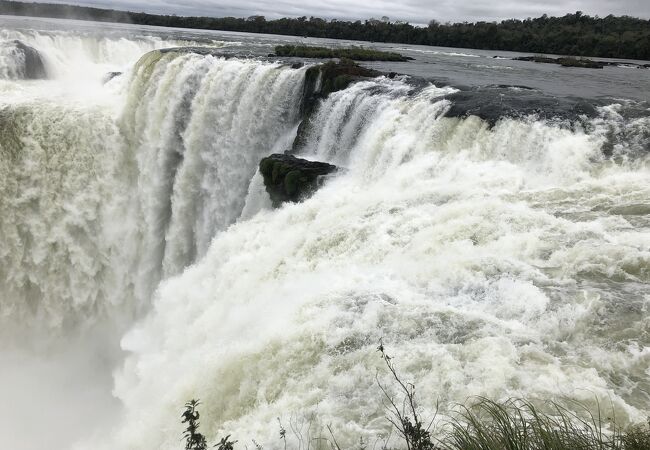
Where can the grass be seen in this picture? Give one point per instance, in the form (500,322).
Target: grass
(520,425)
(485,424)
(354,53)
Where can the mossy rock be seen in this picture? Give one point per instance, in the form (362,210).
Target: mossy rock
(355,53)
(565,62)
(291,179)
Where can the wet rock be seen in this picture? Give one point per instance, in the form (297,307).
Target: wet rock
(333,76)
(110,75)
(34,68)
(336,76)
(291,179)
(322,80)
(493,103)
(565,62)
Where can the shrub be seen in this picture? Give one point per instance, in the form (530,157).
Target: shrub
(354,53)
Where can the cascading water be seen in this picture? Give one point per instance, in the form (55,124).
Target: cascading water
(488,259)
(505,260)
(197,128)
(81,56)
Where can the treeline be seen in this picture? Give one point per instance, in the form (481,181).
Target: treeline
(573,34)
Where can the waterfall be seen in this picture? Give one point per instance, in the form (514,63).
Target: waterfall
(479,254)
(197,128)
(100,208)
(79,56)
(505,259)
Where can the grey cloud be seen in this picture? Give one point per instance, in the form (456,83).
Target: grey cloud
(414,11)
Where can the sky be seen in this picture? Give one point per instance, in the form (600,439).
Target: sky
(414,11)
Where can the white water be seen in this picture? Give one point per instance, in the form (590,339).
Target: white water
(510,261)
(81,56)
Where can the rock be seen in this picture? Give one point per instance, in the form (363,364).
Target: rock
(336,76)
(564,62)
(34,68)
(291,179)
(110,75)
(537,59)
(324,79)
(493,103)
(584,63)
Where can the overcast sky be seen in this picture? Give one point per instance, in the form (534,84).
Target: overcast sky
(414,11)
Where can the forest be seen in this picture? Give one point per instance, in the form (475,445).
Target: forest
(574,34)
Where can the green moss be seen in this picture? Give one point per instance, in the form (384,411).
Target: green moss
(355,53)
(276,174)
(580,62)
(291,181)
(288,178)
(565,62)
(266,166)
(341,82)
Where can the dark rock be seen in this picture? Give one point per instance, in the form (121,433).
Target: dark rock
(291,179)
(537,59)
(334,76)
(354,53)
(493,103)
(564,62)
(34,68)
(584,63)
(110,75)
(203,51)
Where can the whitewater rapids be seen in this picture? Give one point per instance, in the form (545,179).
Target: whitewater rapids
(502,261)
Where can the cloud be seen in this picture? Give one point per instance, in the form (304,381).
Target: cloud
(414,11)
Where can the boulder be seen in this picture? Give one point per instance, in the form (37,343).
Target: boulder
(291,179)
(565,61)
(34,68)
(336,76)
(110,75)
(493,103)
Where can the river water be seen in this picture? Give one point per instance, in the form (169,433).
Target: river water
(491,225)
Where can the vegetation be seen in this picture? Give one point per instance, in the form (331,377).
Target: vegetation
(565,62)
(338,76)
(484,425)
(519,425)
(291,179)
(573,34)
(353,53)
(193,439)
(405,418)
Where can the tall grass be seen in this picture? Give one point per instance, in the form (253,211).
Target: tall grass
(514,424)
(520,425)
(485,424)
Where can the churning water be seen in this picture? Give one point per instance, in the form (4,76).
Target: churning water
(501,252)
